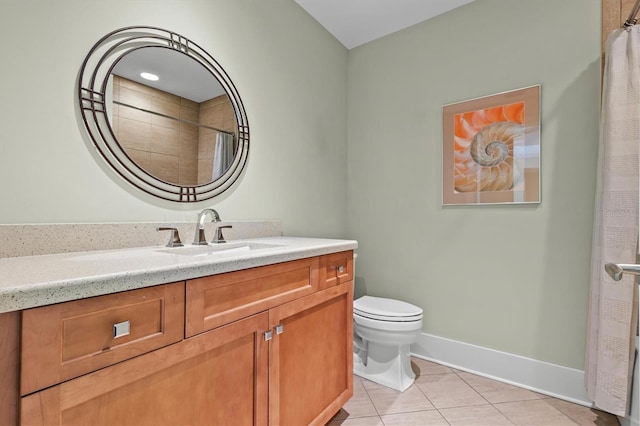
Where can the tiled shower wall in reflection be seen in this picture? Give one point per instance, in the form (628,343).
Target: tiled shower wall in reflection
(169,149)
(218,113)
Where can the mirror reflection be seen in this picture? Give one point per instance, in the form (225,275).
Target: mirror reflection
(172,117)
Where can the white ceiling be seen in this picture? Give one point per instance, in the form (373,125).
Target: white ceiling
(352,22)
(355,22)
(179,74)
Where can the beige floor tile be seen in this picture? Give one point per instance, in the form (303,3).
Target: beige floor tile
(360,421)
(448,390)
(461,399)
(481,415)
(535,413)
(419,418)
(583,415)
(390,401)
(422,367)
(360,405)
(496,392)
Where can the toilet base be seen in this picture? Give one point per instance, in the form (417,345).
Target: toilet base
(387,365)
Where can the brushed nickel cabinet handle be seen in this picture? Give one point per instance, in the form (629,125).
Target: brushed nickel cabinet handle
(121,329)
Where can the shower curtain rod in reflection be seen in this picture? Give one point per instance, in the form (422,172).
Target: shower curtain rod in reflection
(633,16)
(181,120)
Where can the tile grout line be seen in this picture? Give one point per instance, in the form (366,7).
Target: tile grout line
(430,402)
(483,397)
(371,400)
(474,389)
(516,400)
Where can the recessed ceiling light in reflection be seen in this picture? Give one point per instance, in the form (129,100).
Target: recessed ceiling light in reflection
(149,76)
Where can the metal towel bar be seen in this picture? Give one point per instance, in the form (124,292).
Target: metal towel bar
(616,270)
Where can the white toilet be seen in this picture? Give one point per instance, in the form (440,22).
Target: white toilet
(383,330)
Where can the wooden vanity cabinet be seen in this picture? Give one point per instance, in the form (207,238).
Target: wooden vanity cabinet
(9,368)
(285,360)
(215,378)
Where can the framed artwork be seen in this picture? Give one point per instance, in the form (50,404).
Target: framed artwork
(491,149)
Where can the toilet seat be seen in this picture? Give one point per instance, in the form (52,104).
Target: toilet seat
(382,309)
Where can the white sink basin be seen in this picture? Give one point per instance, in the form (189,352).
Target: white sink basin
(218,250)
(116,255)
(211,250)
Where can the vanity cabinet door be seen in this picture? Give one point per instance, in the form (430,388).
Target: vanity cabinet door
(311,358)
(217,378)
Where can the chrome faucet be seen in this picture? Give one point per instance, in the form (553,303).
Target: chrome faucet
(199,238)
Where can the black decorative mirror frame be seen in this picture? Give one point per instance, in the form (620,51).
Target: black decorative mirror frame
(94,82)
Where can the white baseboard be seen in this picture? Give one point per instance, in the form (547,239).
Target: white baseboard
(628,421)
(539,376)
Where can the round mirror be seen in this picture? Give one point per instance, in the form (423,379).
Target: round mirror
(163,114)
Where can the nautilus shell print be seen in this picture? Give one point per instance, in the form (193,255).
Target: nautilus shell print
(484,145)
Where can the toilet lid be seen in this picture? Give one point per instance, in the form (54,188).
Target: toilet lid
(386,309)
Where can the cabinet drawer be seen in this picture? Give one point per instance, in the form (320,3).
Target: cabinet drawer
(63,341)
(336,268)
(219,299)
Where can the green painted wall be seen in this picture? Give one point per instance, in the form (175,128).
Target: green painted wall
(513,278)
(290,73)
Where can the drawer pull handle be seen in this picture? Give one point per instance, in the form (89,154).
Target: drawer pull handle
(340,269)
(279,328)
(268,335)
(121,329)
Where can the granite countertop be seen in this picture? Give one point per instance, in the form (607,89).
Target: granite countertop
(31,281)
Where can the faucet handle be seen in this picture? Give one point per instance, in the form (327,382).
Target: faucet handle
(219,238)
(174,239)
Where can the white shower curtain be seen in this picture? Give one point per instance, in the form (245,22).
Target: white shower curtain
(223,154)
(613,311)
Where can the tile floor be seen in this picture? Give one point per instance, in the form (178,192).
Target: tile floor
(444,396)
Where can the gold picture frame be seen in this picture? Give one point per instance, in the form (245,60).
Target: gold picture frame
(491,149)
